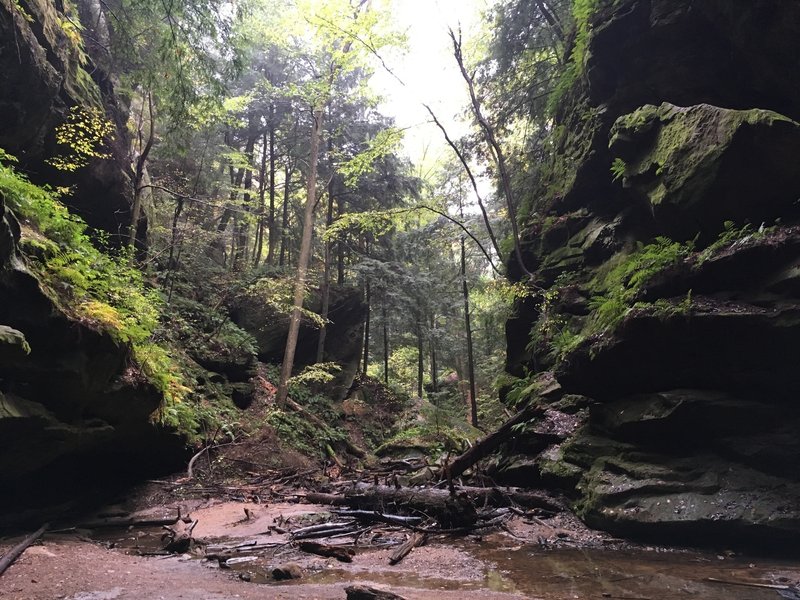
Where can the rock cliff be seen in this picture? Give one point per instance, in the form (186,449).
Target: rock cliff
(74,408)
(45,74)
(665,229)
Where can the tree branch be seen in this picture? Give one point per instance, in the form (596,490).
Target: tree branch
(474,183)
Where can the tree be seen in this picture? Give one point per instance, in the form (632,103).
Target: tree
(337,60)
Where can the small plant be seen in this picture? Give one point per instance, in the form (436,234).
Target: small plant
(625,281)
(618,168)
(732,235)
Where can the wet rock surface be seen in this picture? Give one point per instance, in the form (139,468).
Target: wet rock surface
(664,172)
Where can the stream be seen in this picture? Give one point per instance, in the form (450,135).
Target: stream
(495,565)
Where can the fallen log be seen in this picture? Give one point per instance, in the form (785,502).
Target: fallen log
(132,522)
(324,530)
(9,557)
(374,515)
(340,553)
(448,509)
(548,388)
(365,592)
(418,539)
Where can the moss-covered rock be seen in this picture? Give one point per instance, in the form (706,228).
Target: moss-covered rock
(45,77)
(700,166)
(666,229)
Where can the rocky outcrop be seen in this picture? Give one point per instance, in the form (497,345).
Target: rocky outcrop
(73,406)
(345,333)
(45,74)
(666,231)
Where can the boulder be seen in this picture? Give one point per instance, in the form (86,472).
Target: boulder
(700,166)
(344,337)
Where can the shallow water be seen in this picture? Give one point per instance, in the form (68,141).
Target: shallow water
(565,574)
(526,570)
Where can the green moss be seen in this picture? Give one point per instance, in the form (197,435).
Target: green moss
(622,282)
(582,11)
(108,292)
(671,152)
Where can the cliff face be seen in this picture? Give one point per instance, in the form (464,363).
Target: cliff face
(44,75)
(74,408)
(666,231)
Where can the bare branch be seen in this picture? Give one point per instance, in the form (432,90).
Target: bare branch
(472,180)
(494,147)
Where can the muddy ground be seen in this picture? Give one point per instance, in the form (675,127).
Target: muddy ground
(549,558)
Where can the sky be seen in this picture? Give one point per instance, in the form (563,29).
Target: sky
(430,74)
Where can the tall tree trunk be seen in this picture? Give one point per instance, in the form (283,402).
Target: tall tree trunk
(242,237)
(385,344)
(340,246)
(434,369)
(368,295)
(138,176)
(285,217)
(303,260)
(262,187)
(273,237)
(473,397)
(326,275)
(420,364)
(495,150)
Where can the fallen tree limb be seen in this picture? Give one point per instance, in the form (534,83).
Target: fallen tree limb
(324,530)
(12,555)
(418,539)
(340,553)
(374,515)
(132,522)
(364,592)
(769,586)
(485,446)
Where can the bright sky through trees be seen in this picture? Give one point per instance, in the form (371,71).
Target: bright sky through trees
(429,72)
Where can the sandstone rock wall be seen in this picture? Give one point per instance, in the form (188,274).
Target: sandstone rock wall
(45,73)
(666,231)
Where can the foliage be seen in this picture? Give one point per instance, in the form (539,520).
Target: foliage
(624,282)
(108,292)
(582,11)
(206,332)
(316,374)
(278,294)
(84,131)
(100,288)
(618,168)
(302,435)
(732,235)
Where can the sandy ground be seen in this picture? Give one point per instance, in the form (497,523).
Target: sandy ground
(552,560)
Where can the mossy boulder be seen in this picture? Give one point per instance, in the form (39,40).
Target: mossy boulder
(700,166)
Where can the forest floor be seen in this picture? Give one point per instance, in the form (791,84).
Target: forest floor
(255,526)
